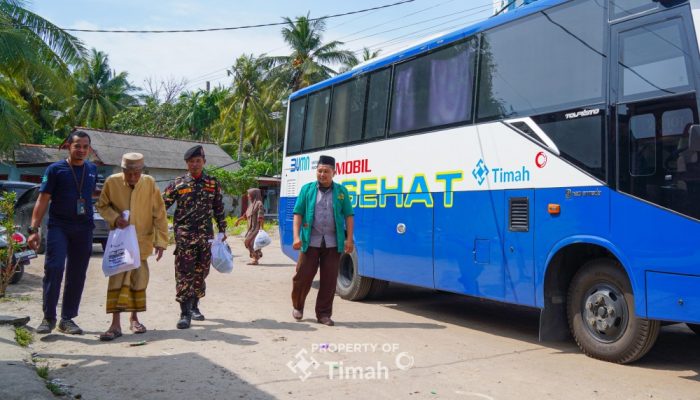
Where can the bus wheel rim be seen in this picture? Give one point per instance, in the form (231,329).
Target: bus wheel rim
(605,313)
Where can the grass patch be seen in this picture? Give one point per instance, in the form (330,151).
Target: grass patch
(55,389)
(9,299)
(23,337)
(43,371)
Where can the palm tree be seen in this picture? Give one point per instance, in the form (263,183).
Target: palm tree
(367,55)
(35,83)
(101,93)
(310,58)
(248,74)
(200,111)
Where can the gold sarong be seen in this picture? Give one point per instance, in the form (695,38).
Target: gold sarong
(126,292)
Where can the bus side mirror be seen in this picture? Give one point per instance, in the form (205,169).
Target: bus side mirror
(694,138)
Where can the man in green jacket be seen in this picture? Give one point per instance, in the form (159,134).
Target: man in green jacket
(322,216)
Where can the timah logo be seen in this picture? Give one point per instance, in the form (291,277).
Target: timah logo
(480,172)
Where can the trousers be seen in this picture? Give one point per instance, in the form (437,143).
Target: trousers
(326,259)
(68,249)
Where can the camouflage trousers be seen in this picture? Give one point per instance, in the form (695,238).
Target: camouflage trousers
(191,268)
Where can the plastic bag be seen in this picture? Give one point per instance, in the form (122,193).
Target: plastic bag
(221,256)
(122,250)
(262,239)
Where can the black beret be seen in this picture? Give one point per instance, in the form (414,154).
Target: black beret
(327,160)
(196,151)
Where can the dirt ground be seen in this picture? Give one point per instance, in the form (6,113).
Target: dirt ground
(413,343)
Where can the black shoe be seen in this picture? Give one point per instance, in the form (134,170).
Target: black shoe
(69,327)
(46,326)
(185,315)
(196,314)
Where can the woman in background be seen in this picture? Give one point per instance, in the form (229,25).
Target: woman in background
(255,215)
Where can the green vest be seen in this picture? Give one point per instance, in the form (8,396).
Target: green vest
(306,204)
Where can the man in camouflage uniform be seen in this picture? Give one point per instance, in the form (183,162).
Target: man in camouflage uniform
(198,198)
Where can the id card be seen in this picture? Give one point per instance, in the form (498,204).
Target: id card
(80,207)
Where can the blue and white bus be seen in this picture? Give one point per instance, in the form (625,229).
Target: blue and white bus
(546,157)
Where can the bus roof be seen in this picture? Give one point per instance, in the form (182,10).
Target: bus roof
(434,42)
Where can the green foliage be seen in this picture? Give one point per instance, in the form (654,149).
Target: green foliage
(35,84)
(23,337)
(43,371)
(101,93)
(55,389)
(7,213)
(151,119)
(238,182)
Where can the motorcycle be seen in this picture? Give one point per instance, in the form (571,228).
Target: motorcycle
(21,255)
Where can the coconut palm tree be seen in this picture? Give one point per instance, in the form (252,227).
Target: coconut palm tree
(310,59)
(246,97)
(101,93)
(35,56)
(367,55)
(200,110)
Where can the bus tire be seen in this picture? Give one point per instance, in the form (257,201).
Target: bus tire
(600,309)
(350,285)
(695,328)
(377,288)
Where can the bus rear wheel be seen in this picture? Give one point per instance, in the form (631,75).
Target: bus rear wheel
(350,285)
(600,310)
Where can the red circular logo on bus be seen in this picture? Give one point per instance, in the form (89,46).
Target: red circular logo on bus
(541,159)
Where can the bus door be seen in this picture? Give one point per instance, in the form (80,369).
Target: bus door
(653,94)
(402,242)
(518,247)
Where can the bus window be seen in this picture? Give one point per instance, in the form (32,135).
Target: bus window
(347,111)
(625,8)
(296,125)
(433,90)
(642,145)
(316,120)
(579,135)
(519,76)
(377,104)
(652,61)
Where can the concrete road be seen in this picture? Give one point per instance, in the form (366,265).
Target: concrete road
(413,343)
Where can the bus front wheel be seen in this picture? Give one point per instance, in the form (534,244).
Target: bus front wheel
(600,310)
(350,285)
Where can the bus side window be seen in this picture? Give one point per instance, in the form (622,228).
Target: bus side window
(642,145)
(316,120)
(377,104)
(297,111)
(347,111)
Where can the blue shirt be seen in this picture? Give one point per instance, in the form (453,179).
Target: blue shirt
(59,182)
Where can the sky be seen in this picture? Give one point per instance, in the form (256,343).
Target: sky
(202,57)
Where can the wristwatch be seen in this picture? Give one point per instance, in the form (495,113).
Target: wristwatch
(31,230)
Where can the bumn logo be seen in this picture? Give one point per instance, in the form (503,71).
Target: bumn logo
(480,172)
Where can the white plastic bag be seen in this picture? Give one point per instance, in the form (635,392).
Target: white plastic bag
(122,250)
(221,256)
(262,239)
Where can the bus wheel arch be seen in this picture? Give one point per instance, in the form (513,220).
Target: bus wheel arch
(560,271)
(350,285)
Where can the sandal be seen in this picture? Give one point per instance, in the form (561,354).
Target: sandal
(137,327)
(252,263)
(110,335)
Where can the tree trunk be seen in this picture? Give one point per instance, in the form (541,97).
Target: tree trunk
(241,129)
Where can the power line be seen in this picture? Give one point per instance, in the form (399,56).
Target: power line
(233,27)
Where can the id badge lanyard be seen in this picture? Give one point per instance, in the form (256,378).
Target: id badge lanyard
(80,206)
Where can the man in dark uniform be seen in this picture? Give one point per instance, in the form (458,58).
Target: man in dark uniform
(198,198)
(68,185)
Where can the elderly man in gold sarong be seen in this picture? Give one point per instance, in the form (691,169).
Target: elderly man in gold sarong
(134,191)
